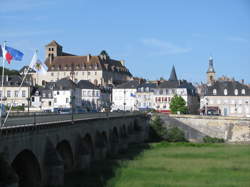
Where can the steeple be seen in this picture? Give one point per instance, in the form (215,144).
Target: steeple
(210,72)
(173,76)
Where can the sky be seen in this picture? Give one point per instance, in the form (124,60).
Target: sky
(150,35)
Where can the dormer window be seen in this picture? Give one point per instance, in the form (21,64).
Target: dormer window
(236,92)
(214,92)
(225,91)
(243,91)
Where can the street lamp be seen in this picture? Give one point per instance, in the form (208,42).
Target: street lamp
(206,104)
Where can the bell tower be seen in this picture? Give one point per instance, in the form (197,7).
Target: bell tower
(52,50)
(210,72)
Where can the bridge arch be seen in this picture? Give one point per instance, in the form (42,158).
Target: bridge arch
(27,168)
(65,151)
(136,126)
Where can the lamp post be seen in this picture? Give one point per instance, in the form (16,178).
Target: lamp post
(206,104)
(124,103)
(72,97)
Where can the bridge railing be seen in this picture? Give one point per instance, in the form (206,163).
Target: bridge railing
(38,119)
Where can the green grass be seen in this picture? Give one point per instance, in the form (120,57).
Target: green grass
(185,164)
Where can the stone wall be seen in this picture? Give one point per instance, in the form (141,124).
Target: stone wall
(231,129)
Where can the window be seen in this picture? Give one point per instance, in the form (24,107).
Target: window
(57,92)
(83,93)
(97,93)
(8,93)
(32,99)
(49,103)
(67,100)
(161,92)
(23,93)
(225,91)
(49,94)
(52,49)
(82,73)
(243,91)
(89,93)
(16,93)
(214,91)
(52,74)
(95,73)
(0,93)
(88,73)
(55,100)
(236,91)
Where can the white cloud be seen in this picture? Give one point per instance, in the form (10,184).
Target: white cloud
(237,39)
(164,48)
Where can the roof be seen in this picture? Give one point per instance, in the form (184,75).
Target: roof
(230,86)
(13,81)
(129,85)
(53,43)
(64,84)
(84,84)
(85,63)
(151,87)
(173,76)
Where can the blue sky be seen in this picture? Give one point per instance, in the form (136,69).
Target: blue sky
(150,35)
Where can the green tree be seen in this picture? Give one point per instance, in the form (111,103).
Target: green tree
(157,130)
(178,104)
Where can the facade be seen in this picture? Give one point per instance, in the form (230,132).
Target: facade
(99,70)
(230,98)
(124,96)
(224,96)
(166,90)
(145,96)
(90,95)
(11,92)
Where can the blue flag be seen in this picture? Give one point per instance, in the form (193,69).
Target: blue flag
(16,55)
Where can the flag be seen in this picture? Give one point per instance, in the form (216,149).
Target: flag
(37,65)
(9,53)
(132,95)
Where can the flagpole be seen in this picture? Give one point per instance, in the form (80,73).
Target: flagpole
(18,90)
(4,43)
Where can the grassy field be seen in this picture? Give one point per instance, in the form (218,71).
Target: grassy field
(186,165)
(165,164)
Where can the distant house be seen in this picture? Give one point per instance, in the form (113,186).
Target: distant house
(124,96)
(11,93)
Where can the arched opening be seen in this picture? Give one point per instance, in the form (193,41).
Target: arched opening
(105,138)
(136,126)
(124,131)
(88,145)
(66,153)
(27,168)
(99,142)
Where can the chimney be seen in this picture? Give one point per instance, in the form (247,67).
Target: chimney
(88,57)
(123,62)
(242,81)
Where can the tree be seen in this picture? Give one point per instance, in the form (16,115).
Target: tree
(157,130)
(178,104)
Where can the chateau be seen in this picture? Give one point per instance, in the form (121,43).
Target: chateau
(99,70)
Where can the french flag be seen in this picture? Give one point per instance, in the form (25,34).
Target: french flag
(9,53)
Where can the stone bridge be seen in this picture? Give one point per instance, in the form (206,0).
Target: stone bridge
(231,129)
(39,155)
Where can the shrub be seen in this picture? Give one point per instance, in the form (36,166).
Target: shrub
(208,139)
(175,135)
(157,131)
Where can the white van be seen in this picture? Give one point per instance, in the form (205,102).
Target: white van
(2,110)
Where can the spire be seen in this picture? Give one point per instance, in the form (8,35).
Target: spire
(173,76)
(211,65)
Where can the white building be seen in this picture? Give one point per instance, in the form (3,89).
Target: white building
(145,96)
(11,93)
(124,96)
(90,95)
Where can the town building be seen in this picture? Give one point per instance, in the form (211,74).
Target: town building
(145,96)
(99,70)
(90,95)
(166,90)
(124,96)
(13,93)
(225,96)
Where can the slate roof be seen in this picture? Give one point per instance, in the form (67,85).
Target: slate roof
(129,85)
(151,87)
(13,81)
(64,84)
(231,86)
(173,76)
(84,84)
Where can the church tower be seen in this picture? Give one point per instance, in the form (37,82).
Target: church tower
(210,72)
(173,76)
(52,50)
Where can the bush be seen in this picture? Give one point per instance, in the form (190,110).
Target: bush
(175,135)
(208,139)
(157,131)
